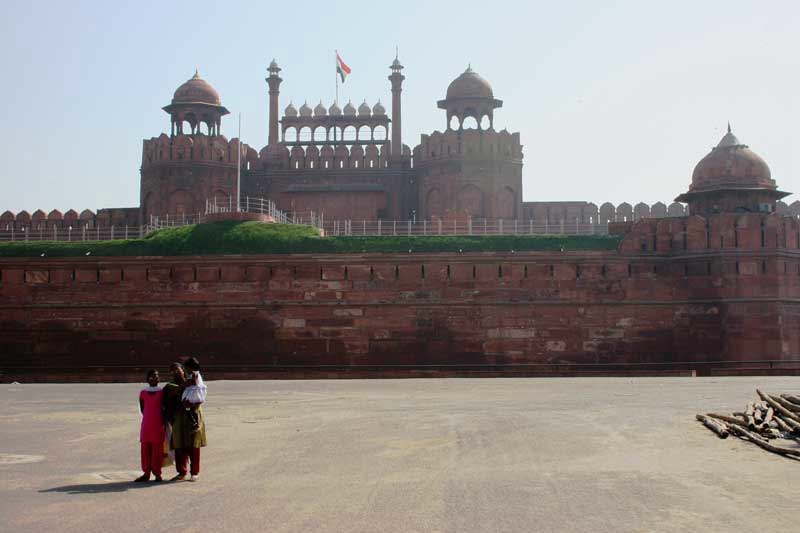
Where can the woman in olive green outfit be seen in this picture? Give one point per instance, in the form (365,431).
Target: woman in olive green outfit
(185,441)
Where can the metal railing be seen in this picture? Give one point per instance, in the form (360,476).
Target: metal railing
(70,233)
(389,228)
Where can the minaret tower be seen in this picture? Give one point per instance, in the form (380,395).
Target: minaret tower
(274,82)
(397,88)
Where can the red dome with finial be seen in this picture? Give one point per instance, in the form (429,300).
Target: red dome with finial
(731,165)
(196,91)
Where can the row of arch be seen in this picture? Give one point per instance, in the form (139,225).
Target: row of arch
(362,133)
(470,122)
(194,123)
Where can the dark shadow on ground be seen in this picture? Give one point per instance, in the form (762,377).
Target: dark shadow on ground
(97,488)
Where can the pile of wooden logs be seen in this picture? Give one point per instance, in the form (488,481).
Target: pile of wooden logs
(774,417)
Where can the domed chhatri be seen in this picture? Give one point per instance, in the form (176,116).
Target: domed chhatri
(196,90)
(305,110)
(335,110)
(364,110)
(320,110)
(349,109)
(469,95)
(469,85)
(378,109)
(731,178)
(196,102)
(291,110)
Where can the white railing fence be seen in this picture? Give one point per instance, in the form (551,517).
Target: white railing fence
(483,226)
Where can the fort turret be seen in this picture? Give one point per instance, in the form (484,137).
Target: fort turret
(195,162)
(470,168)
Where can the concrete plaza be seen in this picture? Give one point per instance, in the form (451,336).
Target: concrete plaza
(455,455)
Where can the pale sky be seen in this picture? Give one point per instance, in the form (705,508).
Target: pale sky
(614,101)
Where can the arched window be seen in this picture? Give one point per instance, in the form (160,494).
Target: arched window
(469,123)
(454,123)
(485,122)
(290,135)
(380,133)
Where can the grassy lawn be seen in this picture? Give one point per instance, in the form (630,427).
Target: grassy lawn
(232,237)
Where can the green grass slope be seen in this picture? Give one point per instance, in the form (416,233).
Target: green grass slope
(231,237)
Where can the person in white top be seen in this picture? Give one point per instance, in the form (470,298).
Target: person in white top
(195,392)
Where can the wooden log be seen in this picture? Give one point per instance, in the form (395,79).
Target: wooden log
(783,426)
(771,433)
(758,441)
(778,407)
(789,398)
(758,414)
(729,419)
(791,423)
(748,416)
(768,416)
(787,404)
(720,428)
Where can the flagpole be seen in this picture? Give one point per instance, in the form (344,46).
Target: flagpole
(239,167)
(336,75)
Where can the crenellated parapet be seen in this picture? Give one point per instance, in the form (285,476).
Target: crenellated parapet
(470,144)
(40,221)
(216,149)
(589,213)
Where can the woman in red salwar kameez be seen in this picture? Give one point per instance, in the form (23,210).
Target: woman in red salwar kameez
(151,435)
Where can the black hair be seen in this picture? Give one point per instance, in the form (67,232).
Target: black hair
(151,372)
(176,364)
(192,363)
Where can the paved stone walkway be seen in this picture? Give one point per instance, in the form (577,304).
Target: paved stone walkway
(457,455)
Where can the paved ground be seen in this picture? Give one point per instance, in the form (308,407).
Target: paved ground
(457,455)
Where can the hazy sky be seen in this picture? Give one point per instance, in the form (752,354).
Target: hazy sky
(615,101)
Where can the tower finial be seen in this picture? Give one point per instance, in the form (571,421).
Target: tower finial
(397,52)
(196,73)
(729,126)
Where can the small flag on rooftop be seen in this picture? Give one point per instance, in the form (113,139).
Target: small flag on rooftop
(341,68)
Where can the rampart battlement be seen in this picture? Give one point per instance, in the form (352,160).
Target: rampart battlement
(469,143)
(215,149)
(588,212)
(41,220)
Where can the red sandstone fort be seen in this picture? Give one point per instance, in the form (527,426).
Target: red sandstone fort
(710,287)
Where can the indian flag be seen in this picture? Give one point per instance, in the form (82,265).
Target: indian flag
(341,69)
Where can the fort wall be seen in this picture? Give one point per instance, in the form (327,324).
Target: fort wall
(708,297)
